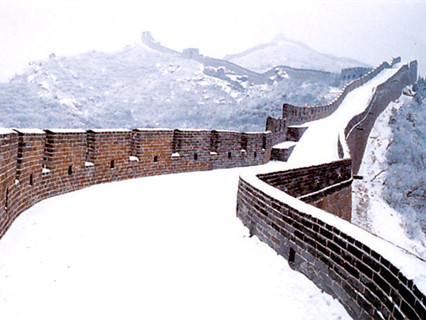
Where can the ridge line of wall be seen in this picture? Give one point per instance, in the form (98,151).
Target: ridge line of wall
(296,115)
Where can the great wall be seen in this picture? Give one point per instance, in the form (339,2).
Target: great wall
(216,67)
(371,277)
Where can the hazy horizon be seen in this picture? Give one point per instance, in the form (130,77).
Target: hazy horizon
(368,31)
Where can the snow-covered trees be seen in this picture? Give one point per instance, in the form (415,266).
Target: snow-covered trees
(406,178)
(140,87)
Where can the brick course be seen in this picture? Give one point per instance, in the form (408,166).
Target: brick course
(366,284)
(326,186)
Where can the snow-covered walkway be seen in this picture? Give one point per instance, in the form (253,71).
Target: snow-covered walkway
(166,247)
(319,142)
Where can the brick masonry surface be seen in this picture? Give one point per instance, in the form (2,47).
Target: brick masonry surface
(366,284)
(38,164)
(326,186)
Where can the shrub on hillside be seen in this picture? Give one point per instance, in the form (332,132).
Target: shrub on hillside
(406,178)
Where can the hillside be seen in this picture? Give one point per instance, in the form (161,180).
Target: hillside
(141,86)
(282,51)
(392,191)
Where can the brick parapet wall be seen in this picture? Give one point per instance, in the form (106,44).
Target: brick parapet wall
(30,155)
(277,127)
(244,149)
(192,150)
(349,74)
(366,283)
(315,184)
(8,165)
(153,149)
(299,114)
(35,165)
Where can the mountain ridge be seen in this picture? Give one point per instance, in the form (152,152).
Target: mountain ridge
(254,58)
(148,85)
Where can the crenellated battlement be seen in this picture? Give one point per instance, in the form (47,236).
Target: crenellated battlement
(349,74)
(38,164)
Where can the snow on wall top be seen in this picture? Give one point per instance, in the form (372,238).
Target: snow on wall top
(30,131)
(6,131)
(410,265)
(109,130)
(319,142)
(66,130)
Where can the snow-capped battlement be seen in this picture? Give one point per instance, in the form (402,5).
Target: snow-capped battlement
(49,162)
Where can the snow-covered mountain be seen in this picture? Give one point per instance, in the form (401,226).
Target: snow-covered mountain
(147,85)
(282,51)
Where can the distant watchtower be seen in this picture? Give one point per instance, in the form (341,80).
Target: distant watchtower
(191,53)
(349,74)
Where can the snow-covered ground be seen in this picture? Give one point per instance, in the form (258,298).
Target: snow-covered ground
(319,143)
(370,211)
(166,247)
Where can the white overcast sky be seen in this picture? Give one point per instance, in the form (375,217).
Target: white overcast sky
(370,31)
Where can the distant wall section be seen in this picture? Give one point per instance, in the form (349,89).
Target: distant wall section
(349,74)
(359,128)
(299,114)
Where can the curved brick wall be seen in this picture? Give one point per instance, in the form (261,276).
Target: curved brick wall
(366,283)
(37,164)
(298,114)
(326,186)
(365,273)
